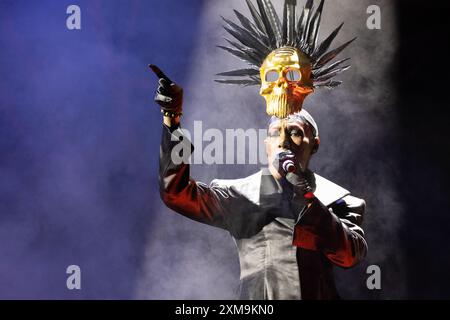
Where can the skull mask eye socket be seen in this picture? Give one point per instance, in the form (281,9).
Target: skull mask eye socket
(272,76)
(293,75)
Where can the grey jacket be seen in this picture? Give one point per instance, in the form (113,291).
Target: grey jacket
(286,249)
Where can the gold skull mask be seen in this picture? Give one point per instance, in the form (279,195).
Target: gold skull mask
(285,81)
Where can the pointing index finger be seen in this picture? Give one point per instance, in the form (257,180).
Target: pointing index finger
(159,73)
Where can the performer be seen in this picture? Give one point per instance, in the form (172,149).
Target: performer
(289,224)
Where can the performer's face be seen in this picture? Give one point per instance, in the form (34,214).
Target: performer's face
(285,81)
(293,135)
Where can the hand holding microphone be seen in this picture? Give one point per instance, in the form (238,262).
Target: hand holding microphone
(288,166)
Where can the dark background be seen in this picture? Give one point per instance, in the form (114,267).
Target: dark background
(423,144)
(78,134)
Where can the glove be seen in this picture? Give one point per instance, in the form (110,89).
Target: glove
(299,184)
(288,167)
(169,95)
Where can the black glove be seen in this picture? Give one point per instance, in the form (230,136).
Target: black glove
(288,167)
(169,95)
(299,183)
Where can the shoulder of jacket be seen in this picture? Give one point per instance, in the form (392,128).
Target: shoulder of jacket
(237,182)
(328,192)
(356,205)
(248,186)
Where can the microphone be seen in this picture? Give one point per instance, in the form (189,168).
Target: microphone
(286,161)
(289,166)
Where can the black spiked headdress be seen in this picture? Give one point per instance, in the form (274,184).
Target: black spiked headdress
(258,38)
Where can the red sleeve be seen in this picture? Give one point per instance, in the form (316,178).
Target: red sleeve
(335,231)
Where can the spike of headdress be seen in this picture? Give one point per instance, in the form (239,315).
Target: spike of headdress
(258,37)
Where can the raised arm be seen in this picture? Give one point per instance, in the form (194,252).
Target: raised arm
(195,200)
(178,190)
(215,205)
